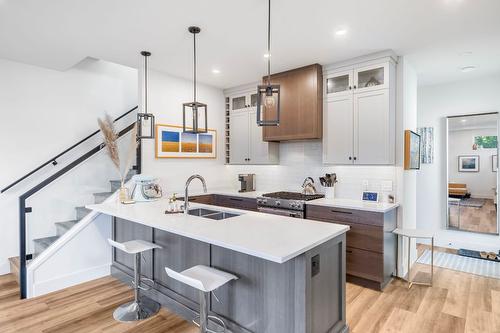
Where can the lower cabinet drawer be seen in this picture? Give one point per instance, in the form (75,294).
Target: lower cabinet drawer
(207,199)
(365,264)
(236,202)
(365,237)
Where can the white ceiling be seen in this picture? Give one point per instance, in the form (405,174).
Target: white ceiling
(59,33)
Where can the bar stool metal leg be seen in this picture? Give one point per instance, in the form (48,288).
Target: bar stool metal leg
(141,307)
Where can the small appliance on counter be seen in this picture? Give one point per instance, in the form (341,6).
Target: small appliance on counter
(146,188)
(247,182)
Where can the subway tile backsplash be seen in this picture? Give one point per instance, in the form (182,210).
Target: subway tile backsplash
(301,159)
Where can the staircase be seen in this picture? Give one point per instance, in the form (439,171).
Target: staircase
(41,244)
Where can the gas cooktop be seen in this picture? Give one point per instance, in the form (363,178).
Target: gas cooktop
(293,196)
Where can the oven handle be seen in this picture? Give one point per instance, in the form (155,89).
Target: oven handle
(282,212)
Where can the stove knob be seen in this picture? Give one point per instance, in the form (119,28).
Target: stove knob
(278,203)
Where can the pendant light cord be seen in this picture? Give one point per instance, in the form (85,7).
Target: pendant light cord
(146,84)
(194,60)
(269,44)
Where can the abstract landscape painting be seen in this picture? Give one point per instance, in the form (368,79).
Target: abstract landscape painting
(171,142)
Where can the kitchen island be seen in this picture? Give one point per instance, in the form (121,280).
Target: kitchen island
(291,271)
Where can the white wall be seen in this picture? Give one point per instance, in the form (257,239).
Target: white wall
(166,96)
(435,103)
(45,111)
(479,184)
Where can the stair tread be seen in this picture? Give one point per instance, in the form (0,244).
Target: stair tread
(46,240)
(67,223)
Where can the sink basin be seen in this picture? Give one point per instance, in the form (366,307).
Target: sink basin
(201,211)
(211,214)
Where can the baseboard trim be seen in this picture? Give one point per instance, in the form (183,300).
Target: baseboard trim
(61,282)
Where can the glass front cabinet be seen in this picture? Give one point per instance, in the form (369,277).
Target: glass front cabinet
(357,79)
(244,101)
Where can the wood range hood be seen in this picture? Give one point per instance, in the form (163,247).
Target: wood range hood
(301,99)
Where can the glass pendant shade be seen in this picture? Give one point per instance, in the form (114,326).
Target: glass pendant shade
(145,120)
(268,105)
(197,113)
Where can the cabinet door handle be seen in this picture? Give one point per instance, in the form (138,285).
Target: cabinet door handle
(341,212)
(350,87)
(355,158)
(348,251)
(350,158)
(354,86)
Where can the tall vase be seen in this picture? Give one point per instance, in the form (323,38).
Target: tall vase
(123,193)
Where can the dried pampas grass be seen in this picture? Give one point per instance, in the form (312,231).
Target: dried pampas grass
(111,141)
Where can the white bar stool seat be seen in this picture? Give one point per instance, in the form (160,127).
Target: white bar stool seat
(417,233)
(141,307)
(205,279)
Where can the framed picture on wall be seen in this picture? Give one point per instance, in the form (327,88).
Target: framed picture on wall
(412,150)
(468,163)
(171,142)
(494,163)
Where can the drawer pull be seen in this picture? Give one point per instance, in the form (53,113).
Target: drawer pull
(236,199)
(348,251)
(341,212)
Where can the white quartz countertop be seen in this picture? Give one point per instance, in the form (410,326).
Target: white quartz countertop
(380,207)
(271,237)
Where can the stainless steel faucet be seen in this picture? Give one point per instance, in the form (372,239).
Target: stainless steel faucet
(308,186)
(186,194)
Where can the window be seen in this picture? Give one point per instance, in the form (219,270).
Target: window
(486,142)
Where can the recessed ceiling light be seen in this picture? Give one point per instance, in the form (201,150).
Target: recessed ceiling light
(465,54)
(267,55)
(215,71)
(341,32)
(463,120)
(467,69)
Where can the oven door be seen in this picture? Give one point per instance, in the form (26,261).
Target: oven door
(282,212)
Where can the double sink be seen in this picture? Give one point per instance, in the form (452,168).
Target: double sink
(211,214)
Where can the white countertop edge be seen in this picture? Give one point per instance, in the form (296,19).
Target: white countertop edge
(354,205)
(276,259)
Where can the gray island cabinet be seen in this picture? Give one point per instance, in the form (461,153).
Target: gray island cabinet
(291,278)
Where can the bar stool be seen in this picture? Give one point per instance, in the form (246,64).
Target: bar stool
(417,233)
(205,279)
(141,307)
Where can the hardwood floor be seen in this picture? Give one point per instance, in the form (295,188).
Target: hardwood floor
(482,219)
(458,302)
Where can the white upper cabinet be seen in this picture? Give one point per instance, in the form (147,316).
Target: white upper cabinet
(245,141)
(338,125)
(371,78)
(359,122)
(340,83)
(243,101)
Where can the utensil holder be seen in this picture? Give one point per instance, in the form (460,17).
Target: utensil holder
(330,192)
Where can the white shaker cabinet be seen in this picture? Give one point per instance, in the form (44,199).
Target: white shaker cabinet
(359,122)
(246,145)
(338,130)
(374,130)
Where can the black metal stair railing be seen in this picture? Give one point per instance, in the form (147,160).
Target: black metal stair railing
(23,209)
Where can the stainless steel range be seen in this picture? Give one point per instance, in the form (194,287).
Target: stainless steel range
(285,203)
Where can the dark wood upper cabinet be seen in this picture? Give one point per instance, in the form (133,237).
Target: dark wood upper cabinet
(301,99)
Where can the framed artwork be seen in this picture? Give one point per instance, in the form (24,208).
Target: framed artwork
(468,163)
(172,142)
(412,150)
(494,163)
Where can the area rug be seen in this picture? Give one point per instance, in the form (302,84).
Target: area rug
(462,264)
(469,202)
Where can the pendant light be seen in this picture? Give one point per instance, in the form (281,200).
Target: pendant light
(194,108)
(143,117)
(268,95)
